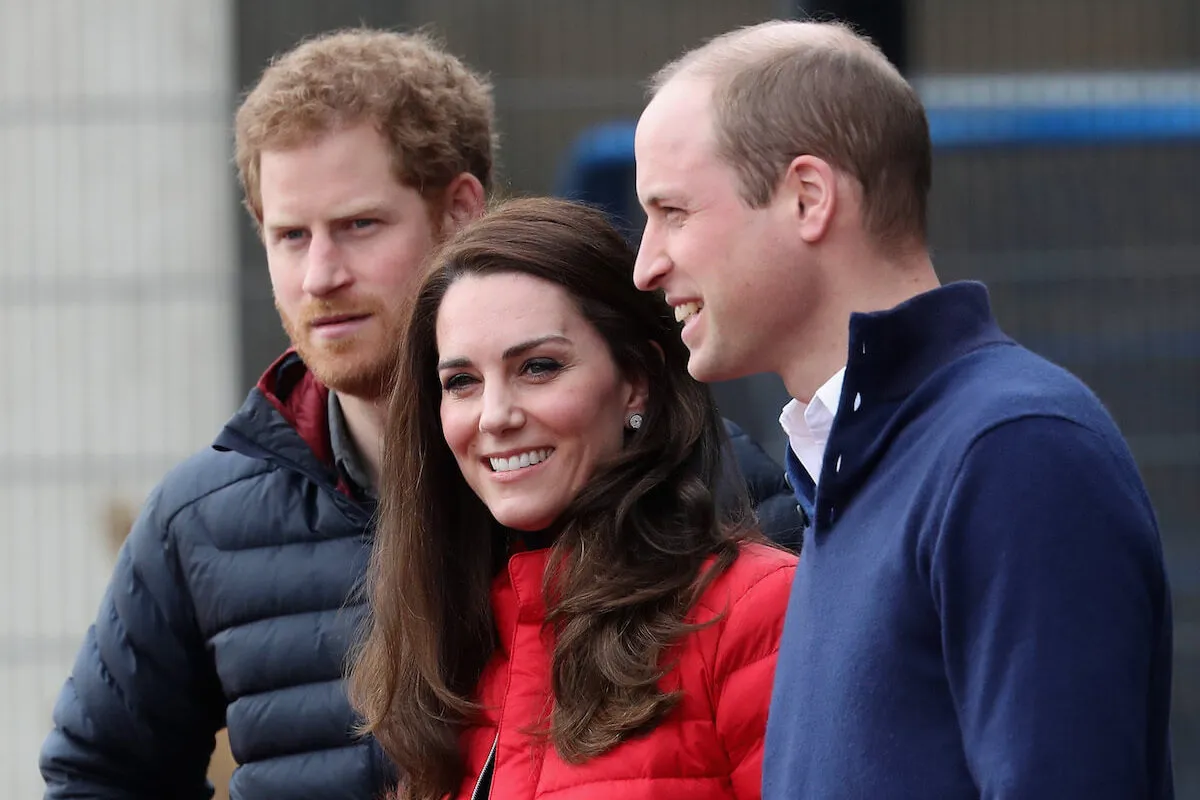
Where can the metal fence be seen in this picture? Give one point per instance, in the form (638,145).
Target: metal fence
(135,309)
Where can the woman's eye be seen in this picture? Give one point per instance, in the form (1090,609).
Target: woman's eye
(541,367)
(456,382)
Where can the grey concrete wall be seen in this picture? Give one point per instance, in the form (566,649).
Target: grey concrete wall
(116,307)
(1031,35)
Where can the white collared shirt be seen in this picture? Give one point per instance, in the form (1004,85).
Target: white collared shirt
(807,425)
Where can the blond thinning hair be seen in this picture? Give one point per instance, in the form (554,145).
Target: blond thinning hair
(436,114)
(787,88)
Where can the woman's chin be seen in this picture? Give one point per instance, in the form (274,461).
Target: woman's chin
(526,526)
(523,522)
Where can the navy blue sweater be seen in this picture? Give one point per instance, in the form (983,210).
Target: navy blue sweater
(981,608)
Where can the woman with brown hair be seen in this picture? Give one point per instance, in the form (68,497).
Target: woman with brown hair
(558,607)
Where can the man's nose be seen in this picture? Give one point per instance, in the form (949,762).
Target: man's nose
(325,270)
(652,263)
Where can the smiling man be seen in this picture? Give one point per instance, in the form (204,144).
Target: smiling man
(981,607)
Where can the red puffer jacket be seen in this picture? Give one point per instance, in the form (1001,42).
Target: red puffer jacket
(710,746)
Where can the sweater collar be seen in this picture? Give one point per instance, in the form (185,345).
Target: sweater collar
(893,352)
(891,355)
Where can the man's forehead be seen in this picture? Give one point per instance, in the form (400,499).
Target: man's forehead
(674,138)
(679,114)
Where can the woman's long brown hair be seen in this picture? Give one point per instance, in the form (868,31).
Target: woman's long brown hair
(628,559)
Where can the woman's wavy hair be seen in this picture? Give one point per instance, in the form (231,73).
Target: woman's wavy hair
(629,557)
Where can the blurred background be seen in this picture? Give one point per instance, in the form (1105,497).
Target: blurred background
(135,310)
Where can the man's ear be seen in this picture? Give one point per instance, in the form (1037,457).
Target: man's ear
(463,201)
(810,188)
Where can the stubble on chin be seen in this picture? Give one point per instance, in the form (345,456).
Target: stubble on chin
(360,366)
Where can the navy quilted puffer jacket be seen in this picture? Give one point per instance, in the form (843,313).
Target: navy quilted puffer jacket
(232,604)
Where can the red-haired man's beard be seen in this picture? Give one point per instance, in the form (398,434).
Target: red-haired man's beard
(359,363)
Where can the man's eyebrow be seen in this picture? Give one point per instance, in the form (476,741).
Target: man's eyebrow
(512,352)
(279,223)
(372,208)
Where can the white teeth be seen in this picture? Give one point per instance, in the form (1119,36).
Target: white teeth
(527,459)
(687,310)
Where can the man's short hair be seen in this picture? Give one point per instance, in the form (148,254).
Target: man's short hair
(434,111)
(784,89)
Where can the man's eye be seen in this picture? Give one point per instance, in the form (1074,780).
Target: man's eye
(362,224)
(293,235)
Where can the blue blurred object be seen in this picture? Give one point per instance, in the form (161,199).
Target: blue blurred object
(1042,126)
(599,169)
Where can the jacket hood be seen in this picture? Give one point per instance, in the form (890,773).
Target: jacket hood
(285,420)
(301,399)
